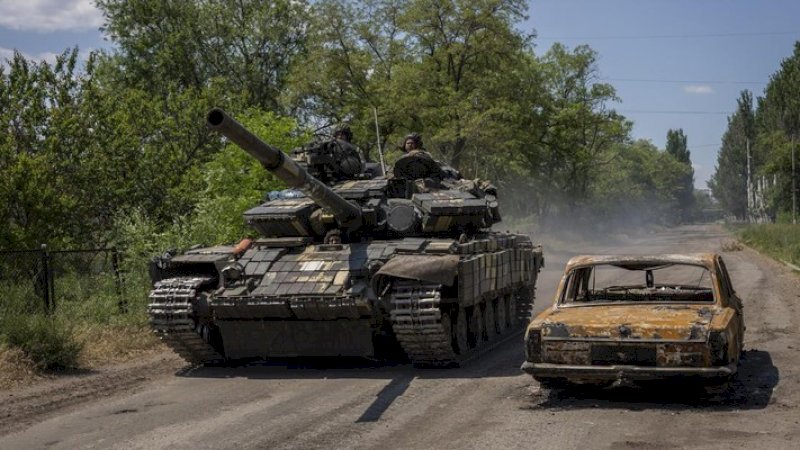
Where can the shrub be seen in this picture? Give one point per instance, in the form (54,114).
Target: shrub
(781,241)
(46,340)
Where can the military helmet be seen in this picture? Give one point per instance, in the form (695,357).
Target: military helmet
(344,131)
(416,138)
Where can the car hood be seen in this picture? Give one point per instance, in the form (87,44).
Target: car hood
(651,322)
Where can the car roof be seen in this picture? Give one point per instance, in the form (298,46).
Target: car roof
(706,260)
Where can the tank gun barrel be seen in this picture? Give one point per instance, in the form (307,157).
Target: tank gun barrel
(284,168)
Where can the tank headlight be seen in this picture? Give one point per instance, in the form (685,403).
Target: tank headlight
(232,273)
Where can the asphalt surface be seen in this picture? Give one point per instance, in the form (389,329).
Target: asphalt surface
(488,404)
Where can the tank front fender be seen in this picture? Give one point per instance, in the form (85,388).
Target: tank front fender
(440,269)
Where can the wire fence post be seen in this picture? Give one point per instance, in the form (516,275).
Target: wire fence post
(115,265)
(46,281)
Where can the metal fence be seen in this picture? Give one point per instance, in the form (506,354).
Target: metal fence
(55,276)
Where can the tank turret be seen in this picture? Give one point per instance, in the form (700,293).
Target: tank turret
(346,213)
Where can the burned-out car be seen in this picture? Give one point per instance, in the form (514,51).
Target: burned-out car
(632,318)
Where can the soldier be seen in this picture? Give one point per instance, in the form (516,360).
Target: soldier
(347,157)
(412,142)
(413,145)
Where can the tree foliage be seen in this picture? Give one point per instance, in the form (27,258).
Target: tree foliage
(118,145)
(729,182)
(678,148)
(167,46)
(769,129)
(641,185)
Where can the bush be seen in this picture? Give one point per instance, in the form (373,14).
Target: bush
(47,341)
(781,241)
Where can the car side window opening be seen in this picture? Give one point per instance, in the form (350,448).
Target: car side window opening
(727,286)
(610,283)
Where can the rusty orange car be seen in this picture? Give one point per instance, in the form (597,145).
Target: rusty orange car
(633,318)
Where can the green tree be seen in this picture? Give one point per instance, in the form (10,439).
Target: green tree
(236,182)
(167,46)
(354,50)
(461,47)
(42,153)
(729,181)
(777,124)
(677,146)
(640,185)
(577,127)
(428,66)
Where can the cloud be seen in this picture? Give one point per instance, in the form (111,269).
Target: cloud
(50,15)
(698,89)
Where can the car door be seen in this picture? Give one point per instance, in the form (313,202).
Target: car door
(733,301)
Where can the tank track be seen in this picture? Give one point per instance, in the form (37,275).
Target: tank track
(417,323)
(171,318)
(523,304)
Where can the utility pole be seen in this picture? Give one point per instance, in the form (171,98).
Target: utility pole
(749,185)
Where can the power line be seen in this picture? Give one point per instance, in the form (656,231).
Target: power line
(669,36)
(638,80)
(653,111)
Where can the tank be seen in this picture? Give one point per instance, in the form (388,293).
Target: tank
(350,264)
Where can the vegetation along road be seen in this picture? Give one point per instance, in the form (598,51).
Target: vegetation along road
(160,403)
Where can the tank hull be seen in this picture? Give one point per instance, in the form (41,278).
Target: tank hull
(434,301)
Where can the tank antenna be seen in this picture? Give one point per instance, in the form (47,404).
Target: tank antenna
(378,134)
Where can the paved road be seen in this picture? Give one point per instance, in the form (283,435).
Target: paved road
(490,403)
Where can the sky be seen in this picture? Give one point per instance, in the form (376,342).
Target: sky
(674,64)
(677,63)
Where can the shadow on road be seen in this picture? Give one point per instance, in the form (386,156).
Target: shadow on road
(385,397)
(752,389)
(501,361)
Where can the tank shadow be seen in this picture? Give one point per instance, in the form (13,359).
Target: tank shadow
(751,389)
(501,361)
(385,398)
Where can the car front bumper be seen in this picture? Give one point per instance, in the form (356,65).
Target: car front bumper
(624,372)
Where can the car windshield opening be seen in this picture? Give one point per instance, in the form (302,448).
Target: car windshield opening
(610,283)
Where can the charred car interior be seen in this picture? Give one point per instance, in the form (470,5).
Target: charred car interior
(640,282)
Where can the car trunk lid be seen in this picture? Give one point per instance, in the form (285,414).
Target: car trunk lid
(635,322)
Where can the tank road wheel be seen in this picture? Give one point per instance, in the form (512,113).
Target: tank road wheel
(501,318)
(447,327)
(462,332)
(475,326)
(489,326)
(511,311)
(480,330)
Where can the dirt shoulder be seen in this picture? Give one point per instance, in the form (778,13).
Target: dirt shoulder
(50,394)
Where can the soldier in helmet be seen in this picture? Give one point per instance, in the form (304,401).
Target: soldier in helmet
(346,156)
(412,142)
(424,165)
(331,160)
(343,133)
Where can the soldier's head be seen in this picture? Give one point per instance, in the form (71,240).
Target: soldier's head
(412,142)
(343,133)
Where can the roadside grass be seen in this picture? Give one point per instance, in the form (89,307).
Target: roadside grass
(16,368)
(781,241)
(94,323)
